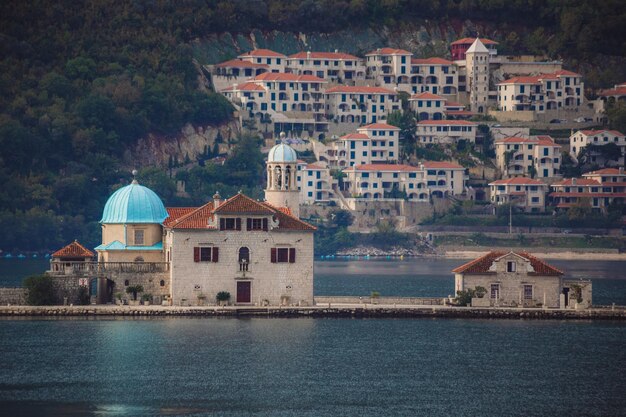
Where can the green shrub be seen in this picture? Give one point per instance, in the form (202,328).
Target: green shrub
(222,296)
(40,290)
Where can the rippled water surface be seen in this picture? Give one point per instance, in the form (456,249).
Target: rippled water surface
(311,367)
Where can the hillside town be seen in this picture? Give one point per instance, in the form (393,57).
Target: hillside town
(426,132)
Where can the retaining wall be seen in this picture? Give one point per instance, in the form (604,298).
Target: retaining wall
(13,296)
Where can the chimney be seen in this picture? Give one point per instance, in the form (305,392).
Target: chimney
(621,170)
(573,181)
(217,200)
(308,55)
(336,51)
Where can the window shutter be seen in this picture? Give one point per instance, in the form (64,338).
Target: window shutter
(196,254)
(248,223)
(222,224)
(238,223)
(273,255)
(265,225)
(216,254)
(292,255)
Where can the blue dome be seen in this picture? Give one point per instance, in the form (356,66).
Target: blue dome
(134,204)
(282,153)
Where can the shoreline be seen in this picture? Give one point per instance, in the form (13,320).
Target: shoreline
(319,311)
(544,253)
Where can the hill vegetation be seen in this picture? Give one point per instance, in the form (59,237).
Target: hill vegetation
(80,83)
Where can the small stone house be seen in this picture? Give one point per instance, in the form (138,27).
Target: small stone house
(518,279)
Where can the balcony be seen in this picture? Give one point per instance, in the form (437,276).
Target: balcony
(87,268)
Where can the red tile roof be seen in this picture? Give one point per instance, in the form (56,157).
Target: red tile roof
(359,89)
(447,123)
(574,182)
(283,76)
(238,63)
(521,80)
(324,55)
(431,61)
(459,112)
(619,91)
(379,126)
(286,221)
(513,139)
(518,181)
(240,203)
(599,132)
(453,104)
(176,213)
(198,218)
(426,96)
(537,78)
(263,53)
(389,51)
(314,167)
(73,250)
(359,136)
(470,41)
(605,171)
(245,87)
(481,265)
(383,167)
(441,165)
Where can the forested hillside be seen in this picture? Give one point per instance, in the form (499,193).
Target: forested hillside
(81,82)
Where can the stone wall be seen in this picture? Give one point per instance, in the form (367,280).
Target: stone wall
(13,296)
(321,301)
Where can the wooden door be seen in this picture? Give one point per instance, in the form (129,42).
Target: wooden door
(243,291)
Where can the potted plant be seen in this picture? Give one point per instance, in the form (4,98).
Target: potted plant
(374,295)
(118,298)
(223,297)
(147,299)
(201,299)
(133,290)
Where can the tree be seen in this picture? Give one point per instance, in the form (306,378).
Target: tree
(405,120)
(40,290)
(340,218)
(134,289)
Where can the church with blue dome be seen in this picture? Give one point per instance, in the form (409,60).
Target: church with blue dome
(132,228)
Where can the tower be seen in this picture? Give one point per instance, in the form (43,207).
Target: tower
(282,186)
(477,64)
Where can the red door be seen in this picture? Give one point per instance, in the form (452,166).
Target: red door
(243,291)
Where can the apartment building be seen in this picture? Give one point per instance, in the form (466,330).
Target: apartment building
(459,47)
(526,193)
(428,106)
(275,61)
(314,182)
(583,138)
(333,66)
(356,104)
(434,75)
(445,131)
(598,190)
(538,156)
(390,67)
(559,90)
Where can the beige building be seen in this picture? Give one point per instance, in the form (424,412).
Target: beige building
(380,181)
(516,156)
(428,106)
(583,138)
(356,104)
(333,66)
(315,183)
(519,279)
(445,131)
(559,90)
(275,61)
(435,76)
(527,193)
(597,190)
(477,76)
(390,68)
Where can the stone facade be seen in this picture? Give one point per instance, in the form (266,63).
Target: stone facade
(13,296)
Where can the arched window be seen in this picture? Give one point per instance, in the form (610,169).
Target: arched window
(287,177)
(162,283)
(244,258)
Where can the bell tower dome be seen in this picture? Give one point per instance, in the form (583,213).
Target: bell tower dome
(282,185)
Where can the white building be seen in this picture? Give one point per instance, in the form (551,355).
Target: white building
(559,90)
(380,181)
(275,61)
(517,156)
(527,193)
(583,138)
(356,104)
(428,106)
(435,76)
(333,66)
(315,183)
(445,131)
(477,68)
(390,67)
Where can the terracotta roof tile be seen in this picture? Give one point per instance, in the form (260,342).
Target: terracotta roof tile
(573,182)
(389,51)
(360,136)
(248,86)
(323,55)
(283,76)
(470,41)
(446,123)
(517,181)
(286,221)
(263,53)
(379,126)
(481,265)
(238,63)
(175,213)
(239,204)
(441,165)
(426,96)
(605,171)
(383,167)
(431,61)
(73,250)
(197,218)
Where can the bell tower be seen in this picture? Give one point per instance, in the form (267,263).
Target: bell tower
(477,64)
(282,185)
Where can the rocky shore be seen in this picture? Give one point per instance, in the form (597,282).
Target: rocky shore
(328,311)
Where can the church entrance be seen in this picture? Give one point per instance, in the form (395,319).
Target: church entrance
(243,291)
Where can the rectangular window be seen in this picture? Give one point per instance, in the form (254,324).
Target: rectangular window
(206,254)
(510,266)
(528,292)
(230,223)
(283,255)
(256,224)
(139,237)
(495,290)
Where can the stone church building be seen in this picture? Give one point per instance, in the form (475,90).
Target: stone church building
(259,252)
